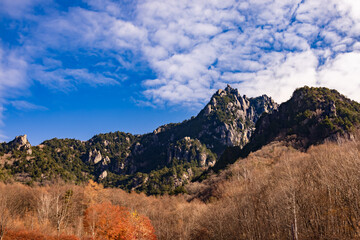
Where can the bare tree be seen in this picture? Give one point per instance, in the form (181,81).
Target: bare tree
(61,205)
(44,204)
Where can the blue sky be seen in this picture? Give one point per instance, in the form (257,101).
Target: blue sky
(77,68)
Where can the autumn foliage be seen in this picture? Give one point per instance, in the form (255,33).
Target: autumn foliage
(143,227)
(107,221)
(68,212)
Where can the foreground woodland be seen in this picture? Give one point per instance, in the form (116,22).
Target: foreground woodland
(277,192)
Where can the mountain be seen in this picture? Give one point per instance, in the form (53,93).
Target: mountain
(229,127)
(311,116)
(157,162)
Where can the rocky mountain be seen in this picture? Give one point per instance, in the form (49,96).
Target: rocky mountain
(227,120)
(311,116)
(161,161)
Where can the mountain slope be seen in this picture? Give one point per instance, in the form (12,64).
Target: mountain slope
(161,161)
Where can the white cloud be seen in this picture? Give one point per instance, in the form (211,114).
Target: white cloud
(343,74)
(13,77)
(12,72)
(278,80)
(67,79)
(265,46)
(19,8)
(350,6)
(26,106)
(79,28)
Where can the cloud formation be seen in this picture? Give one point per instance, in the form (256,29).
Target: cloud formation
(26,106)
(259,46)
(192,47)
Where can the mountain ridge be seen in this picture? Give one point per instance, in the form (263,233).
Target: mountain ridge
(173,153)
(229,127)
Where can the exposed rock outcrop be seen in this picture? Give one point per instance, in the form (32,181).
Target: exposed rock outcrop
(187,150)
(95,157)
(103,175)
(21,143)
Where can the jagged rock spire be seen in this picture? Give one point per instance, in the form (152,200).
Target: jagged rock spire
(20,142)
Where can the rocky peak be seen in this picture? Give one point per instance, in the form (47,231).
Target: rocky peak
(232,98)
(230,90)
(235,115)
(20,142)
(227,91)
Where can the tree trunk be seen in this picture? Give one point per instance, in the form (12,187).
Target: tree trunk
(2,231)
(294,228)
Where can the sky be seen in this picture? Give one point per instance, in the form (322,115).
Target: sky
(76,68)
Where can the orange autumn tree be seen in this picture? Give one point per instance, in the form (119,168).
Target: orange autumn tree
(110,222)
(93,192)
(143,227)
